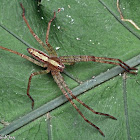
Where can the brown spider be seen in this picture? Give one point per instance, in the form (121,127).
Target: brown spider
(56,65)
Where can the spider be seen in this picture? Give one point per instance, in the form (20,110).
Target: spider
(38,2)
(55,65)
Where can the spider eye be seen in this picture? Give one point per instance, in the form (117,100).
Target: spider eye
(61,67)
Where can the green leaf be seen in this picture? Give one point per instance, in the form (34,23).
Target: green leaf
(86,28)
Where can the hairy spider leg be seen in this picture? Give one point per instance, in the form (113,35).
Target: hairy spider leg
(49,49)
(60,84)
(26,57)
(47,34)
(61,79)
(72,59)
(44,65)
(48,29)
(29,83)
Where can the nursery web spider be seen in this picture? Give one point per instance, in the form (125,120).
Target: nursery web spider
(56,65)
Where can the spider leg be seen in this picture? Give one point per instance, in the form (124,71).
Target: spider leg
(49,49)
(74,97)
(72,63)
(48,29)
(25,56)
(62,88)
(29,83)
(70,59)
(47,34)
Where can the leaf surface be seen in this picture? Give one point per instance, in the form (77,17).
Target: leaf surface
(81,28)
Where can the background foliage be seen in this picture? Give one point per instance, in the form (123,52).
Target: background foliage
(81,28)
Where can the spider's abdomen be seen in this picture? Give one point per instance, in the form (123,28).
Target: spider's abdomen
(39,55)
(54,62)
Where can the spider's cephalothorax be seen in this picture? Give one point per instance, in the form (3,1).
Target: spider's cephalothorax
(55,65)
